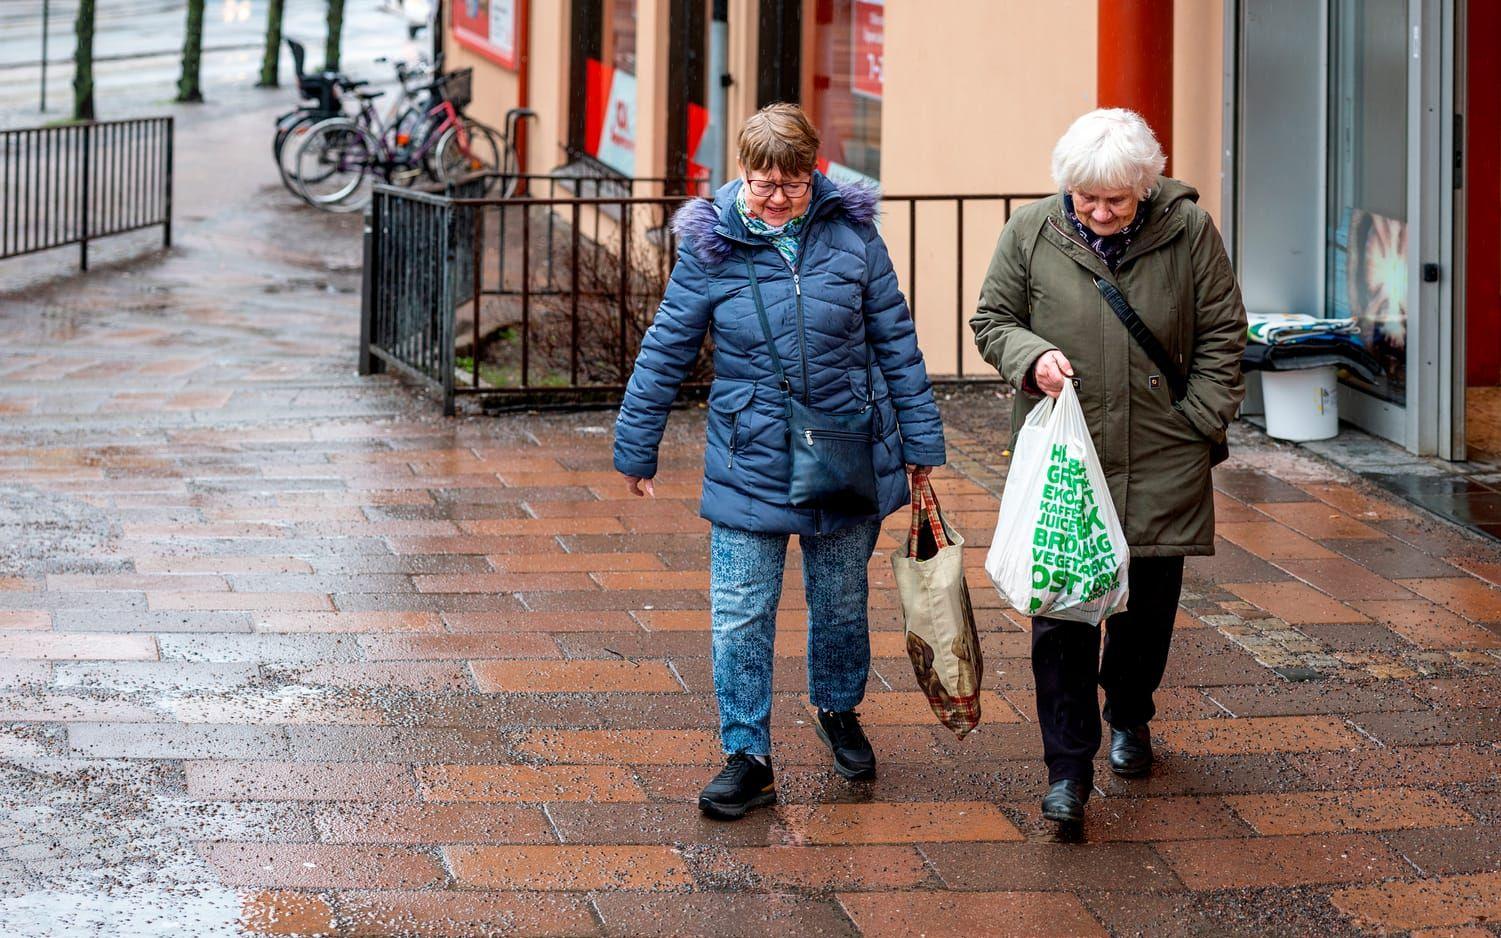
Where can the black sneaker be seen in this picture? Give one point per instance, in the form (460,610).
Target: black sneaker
(841,732)
(742,784)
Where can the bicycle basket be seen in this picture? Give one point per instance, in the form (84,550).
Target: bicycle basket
(456,87)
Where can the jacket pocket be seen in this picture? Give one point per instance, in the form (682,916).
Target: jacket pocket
(1186,425)
(729,400)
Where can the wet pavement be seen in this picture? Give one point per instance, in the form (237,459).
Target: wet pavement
(284,652)
(1467,493)
(138,51)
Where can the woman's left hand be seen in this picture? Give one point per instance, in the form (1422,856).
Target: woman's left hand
(918,473)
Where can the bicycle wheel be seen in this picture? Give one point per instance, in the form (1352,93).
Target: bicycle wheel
(467,149)
(336,165)
(288,139)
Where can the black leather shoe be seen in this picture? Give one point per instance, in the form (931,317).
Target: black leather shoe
(841,732)
(1064,802)
(742,784)
(1130,751)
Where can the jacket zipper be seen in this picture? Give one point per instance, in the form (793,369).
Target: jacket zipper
(734,437)
(797,290)
(810,434)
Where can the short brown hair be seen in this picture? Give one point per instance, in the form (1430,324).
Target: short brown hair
(779,136)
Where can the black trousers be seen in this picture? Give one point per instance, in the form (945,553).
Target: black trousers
(1067,665)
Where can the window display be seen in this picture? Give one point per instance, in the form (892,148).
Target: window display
(1367,247)
(845,100)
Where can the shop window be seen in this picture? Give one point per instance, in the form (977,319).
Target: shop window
(1367,243)
(602,98)
(847,80)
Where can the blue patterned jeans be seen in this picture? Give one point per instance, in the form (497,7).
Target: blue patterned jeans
(745,585)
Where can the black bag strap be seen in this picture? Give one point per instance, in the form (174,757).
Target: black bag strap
(771,345)
(1177,383)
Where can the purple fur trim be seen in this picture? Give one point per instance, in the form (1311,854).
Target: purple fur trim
(694,223)
(861,200)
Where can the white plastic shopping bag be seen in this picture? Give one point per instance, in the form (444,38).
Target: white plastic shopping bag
(1059,550)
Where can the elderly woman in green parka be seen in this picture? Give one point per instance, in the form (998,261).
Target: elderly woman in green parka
(1043,320)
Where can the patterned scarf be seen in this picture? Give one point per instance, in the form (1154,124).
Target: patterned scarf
(1112,247)
(783,238)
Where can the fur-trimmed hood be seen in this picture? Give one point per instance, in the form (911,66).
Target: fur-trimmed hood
(712,227)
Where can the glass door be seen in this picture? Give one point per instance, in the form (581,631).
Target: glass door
(1385,247)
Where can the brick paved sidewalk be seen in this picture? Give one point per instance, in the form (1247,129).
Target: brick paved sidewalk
(280,646)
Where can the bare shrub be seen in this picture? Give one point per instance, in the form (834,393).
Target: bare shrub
(616,301)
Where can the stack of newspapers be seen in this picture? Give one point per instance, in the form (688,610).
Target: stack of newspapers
(1287,328)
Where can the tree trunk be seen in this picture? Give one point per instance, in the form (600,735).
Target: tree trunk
(192,54)
(83,59)
(335,27)
(270,64)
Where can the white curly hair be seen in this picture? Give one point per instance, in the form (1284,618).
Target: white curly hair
(1108,148)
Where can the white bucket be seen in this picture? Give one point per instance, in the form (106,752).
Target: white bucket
(1302,404)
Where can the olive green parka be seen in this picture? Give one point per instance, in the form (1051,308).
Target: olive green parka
(1039,294)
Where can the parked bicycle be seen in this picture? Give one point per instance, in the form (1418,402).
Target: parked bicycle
(323,100)
(342,157)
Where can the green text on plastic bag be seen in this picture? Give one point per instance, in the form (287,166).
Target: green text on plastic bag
(1071,549)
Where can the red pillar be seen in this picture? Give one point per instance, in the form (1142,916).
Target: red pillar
(1135,62)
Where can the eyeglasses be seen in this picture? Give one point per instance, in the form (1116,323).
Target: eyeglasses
(763,188)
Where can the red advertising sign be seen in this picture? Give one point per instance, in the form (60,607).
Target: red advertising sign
(698,125)
(610,116)
(488,27)
(866,66)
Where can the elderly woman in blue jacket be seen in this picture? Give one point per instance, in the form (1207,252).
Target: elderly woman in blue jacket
(844,340)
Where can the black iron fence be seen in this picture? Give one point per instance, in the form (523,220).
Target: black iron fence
(76,183)
(544,298)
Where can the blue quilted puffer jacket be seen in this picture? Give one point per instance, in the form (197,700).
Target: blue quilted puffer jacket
(849,307)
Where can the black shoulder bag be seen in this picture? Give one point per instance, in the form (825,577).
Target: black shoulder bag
(832,464)
(1177,382)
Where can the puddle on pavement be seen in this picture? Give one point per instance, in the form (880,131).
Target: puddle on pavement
(99,847)
(206,912)
(48,532)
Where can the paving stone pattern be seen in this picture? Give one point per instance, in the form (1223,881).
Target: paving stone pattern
(278,643)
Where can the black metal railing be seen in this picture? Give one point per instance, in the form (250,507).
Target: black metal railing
(907,253)
(407,298)
(76,183)
(544,298)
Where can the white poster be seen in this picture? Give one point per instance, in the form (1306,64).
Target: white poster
(617,140)
(503,28)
